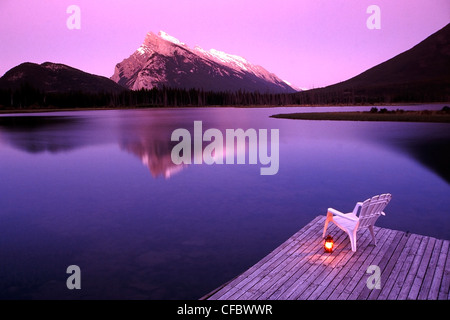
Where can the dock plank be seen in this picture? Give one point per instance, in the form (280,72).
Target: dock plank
(324,288)
(266,292)
(274,258)
(439,272)
(430,271)
(341,291)
(389,284)
(377,257)
(321,275)
(386,265)
(445,285)
(404,269)
(412,267)
(281,260)
(418,278)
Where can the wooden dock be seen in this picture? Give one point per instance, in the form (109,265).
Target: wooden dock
(412,267)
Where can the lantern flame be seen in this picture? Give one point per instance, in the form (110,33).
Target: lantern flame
(329,244)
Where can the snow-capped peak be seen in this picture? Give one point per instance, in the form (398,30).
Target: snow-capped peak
(225,58)
(169,38)
(141,49)
(163,60)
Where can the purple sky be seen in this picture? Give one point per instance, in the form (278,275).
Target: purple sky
(309,43)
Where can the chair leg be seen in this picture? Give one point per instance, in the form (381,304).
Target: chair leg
(329,218)
(373,235)
(352,236)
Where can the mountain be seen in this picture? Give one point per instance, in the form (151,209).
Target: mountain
(421,73)
(163,60)
(55,77)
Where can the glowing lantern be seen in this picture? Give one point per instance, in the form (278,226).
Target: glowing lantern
(328,246)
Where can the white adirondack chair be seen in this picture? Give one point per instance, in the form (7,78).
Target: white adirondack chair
(363,216)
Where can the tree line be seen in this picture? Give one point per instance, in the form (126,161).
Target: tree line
(26,97)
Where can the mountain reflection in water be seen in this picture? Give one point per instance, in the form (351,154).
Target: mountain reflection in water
(151,143)
(149,140)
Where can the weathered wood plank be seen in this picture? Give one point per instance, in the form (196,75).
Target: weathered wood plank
(388,285)
(300,279)
(276,256)
(298,248)
(352,276)
(350,279)
(266,293)
(386,264)
(301,265)
(430,271)
(404,270)
(439,272)
(325,287)
(409,280)
(321,276)
(339,282)
(412,267)
(360,279)
(343,248)
(418,279)
(445,285)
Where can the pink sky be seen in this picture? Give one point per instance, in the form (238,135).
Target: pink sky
(309,43)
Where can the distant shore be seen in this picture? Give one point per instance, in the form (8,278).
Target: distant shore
(435,116)
(441,116)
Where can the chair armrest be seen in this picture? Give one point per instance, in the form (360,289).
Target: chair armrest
(340,214)
(357,208)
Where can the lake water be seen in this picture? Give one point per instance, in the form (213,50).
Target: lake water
(98,189)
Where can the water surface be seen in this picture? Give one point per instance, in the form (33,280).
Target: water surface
(98,189)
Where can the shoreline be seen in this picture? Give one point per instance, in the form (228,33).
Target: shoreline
(54,109)
(395,116)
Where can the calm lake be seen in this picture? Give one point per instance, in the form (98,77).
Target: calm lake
(98,189)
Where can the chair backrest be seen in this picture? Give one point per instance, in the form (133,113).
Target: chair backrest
(371,209)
